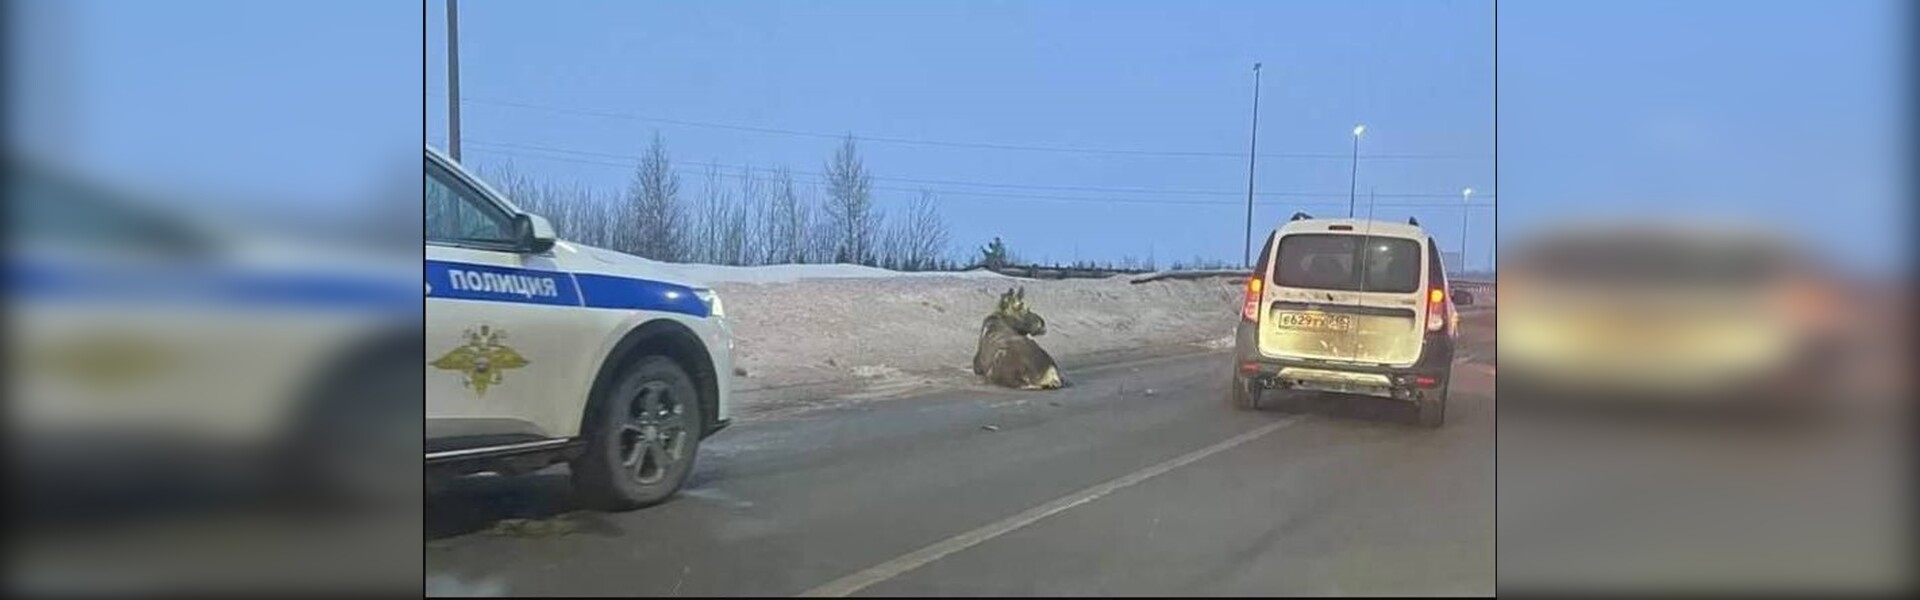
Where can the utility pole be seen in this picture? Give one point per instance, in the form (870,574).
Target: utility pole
(1246,247)
(1466,196)
(453,79)
(1353,176)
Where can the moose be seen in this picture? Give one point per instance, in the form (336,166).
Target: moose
(1008,356)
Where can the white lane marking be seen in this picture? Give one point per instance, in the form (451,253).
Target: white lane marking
(848,585)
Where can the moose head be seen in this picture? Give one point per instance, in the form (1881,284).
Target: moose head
(1013,310)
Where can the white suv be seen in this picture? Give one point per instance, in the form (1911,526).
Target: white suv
(541,350)
(1349,306)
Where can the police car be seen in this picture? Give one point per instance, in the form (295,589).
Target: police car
(1348,306)
(164,343)
(541,351)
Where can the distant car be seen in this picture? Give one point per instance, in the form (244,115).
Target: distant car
(1349,306)
(1664,313)
(540,351)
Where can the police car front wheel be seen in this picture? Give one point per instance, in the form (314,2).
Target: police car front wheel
(642,437)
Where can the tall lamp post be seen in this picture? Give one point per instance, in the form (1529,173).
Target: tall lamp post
(1246,247)
(1353,177)
(1466,196)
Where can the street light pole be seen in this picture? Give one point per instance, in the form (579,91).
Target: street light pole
(453,80)
(1246,247)
(1466,196)
(1354,176)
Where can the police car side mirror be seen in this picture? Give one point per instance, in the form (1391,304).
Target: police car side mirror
(534,232)
(1463,298)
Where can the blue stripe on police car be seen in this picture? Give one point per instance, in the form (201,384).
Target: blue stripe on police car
(606,291)
(487,283)
(464,281)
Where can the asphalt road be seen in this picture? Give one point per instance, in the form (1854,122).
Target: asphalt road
(1138,480)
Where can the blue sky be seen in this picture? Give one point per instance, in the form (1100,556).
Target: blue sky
(1127,75)
(292,106)
(1786,113)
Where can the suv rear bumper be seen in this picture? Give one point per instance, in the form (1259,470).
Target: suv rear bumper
(1430,372)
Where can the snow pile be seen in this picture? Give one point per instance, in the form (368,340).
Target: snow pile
(838,328)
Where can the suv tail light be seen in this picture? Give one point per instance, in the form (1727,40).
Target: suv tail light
(1436,309)
(1250,308)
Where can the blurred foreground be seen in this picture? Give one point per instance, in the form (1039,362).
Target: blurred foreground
(1690,405)
(199,403)
(211,334)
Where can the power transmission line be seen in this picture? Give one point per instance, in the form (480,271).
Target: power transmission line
(632,159)
(951,144)
(734,175)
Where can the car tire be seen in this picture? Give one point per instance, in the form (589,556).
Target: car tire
(642,435)
(1241,394)
(351,445)
(1432,407)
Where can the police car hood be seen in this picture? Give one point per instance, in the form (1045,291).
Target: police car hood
(602,260)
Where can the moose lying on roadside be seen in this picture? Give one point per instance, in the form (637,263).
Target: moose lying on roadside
(1008,356)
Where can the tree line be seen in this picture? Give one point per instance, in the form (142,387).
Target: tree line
(754,219)
(766,218)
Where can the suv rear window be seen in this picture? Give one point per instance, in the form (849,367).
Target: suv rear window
(1332,261)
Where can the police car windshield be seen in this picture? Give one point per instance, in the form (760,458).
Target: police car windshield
(53,210)
(1336,262)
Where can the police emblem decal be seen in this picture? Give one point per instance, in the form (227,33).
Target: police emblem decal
(482,360)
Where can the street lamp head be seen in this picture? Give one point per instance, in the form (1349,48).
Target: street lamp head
(1466,192)
(1359,129)
(1256,66)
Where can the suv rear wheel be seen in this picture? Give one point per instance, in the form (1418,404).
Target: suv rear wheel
(1242,395)
(1433,407)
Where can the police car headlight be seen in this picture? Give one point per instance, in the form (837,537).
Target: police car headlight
(714,307)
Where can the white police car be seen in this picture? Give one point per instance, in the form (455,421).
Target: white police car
(163,346)
(541,351)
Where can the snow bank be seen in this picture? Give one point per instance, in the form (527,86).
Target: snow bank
(814,329)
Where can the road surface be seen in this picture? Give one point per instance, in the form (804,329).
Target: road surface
(1137,480)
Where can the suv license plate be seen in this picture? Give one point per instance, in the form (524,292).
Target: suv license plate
(1314,321)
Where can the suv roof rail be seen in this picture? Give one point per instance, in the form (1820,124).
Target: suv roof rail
(1412,221)
(1299,215)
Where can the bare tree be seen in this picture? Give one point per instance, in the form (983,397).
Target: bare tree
(918,237)
(773,220)
(578,213)
(783,225)
(742,247)
(850,205)
(703,241)
(656,229)
(822,235)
